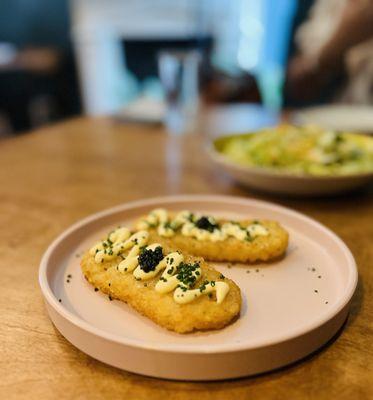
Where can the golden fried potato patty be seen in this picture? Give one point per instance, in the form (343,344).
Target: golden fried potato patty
(203,313)
(262,248)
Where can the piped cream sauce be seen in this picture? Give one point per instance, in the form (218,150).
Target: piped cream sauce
(121,240)
(186,223)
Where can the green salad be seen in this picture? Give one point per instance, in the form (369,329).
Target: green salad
(301,150)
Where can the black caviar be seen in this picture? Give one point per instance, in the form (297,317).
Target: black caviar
(206,224)
(149,259)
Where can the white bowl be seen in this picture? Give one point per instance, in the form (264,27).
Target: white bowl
(283,183)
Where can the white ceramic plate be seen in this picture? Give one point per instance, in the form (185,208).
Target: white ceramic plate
(290,307)
(284,183)
(344,117)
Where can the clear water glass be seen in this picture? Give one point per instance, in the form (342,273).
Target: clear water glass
(179,75)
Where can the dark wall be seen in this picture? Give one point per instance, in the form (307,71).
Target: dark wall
(37,22)
(54,94)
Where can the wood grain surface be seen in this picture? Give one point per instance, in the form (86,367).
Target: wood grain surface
(52,177)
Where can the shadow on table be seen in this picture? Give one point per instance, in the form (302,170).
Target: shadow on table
(362,194)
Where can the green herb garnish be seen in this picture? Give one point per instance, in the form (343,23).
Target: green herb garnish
(186,273)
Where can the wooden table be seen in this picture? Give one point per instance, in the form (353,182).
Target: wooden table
(55,176)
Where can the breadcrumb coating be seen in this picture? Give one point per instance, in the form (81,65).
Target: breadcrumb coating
(201,314)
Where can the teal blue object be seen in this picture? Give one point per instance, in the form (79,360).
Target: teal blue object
(152,87)
(270,72)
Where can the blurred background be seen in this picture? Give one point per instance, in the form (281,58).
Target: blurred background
(139,59)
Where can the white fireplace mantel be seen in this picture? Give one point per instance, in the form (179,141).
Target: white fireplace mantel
(98,26)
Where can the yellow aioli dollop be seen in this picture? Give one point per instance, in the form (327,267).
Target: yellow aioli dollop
(186,296)
(166,227)
(121,240)
(105,253)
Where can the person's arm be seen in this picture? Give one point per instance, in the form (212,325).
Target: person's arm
(307,76)
(356,26)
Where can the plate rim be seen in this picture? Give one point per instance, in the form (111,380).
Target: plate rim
(298,116)
(338,307)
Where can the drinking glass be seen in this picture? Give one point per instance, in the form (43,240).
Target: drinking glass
(179,75)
